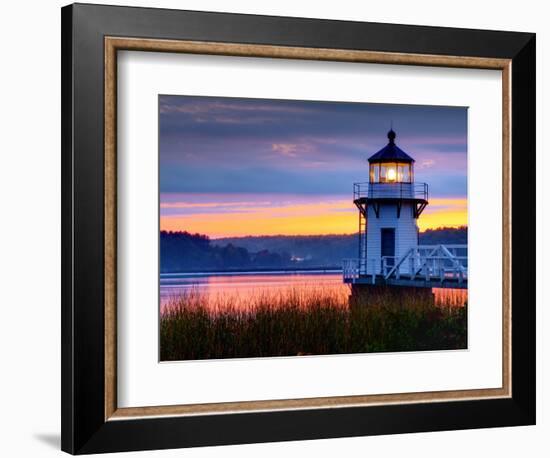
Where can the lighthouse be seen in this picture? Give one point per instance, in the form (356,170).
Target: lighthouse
(389,205)
(389,254)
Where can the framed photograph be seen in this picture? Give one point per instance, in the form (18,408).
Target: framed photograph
(281,228)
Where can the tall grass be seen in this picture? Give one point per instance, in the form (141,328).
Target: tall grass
(300,321)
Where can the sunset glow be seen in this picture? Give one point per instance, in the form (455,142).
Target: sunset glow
(238,167)
(294,216)
(444,213)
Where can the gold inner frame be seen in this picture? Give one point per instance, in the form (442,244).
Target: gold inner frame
(114,44)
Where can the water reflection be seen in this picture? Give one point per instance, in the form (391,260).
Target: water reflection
(244,290)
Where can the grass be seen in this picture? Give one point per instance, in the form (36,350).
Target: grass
(302,321)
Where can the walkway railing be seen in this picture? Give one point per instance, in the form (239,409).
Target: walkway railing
(424,262)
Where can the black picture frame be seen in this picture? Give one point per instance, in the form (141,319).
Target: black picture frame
(84,428)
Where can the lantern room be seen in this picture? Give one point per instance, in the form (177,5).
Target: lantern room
(391,164)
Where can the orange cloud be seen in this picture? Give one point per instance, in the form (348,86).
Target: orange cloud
(239,224)
(189,205)
(331,217)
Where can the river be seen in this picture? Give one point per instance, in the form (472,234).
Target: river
(240,290)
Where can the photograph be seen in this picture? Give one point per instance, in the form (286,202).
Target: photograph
(293,228)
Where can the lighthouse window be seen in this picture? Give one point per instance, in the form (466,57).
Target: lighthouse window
(403,173)
(390,172)
(375,173)
(383,173)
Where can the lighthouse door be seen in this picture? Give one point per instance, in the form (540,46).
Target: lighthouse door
(388,244)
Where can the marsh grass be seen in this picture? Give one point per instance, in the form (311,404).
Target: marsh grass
(304,321)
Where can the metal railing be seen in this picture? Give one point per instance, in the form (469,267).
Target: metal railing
(390,190)
(353,268)
(433,262)
(424,262)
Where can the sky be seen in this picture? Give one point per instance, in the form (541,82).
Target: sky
(233,167)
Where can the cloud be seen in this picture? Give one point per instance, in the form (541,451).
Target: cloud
(278,205)
(426,164)
(285,149)
(191,205)
(291,149)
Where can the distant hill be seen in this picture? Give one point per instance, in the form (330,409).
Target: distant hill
(185,252)
(445,235)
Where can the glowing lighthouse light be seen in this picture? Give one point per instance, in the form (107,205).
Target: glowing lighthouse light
(391,174)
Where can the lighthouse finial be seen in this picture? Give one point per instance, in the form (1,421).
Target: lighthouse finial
(391,133)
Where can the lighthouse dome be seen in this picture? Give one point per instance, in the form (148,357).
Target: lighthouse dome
(391,152)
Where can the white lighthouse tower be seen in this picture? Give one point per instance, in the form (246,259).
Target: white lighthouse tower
(389,204)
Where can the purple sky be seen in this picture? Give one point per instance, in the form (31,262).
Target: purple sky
(212,146)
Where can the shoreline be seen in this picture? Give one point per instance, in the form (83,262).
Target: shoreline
(312,270)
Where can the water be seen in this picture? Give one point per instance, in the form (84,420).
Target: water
(244,288)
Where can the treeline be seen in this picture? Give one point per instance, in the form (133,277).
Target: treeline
(185,252)
(329,250)
(305,250)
